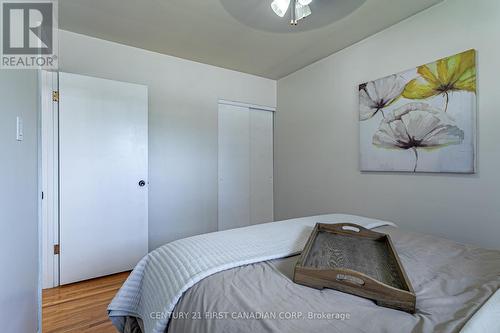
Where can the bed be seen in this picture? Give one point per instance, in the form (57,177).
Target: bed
(240,280)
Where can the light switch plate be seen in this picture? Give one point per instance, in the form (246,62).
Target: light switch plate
(19,129)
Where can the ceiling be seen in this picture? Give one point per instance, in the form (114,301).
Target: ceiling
(207,30)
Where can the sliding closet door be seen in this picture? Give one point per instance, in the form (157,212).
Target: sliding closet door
(245,166)
(103,176)
(261,166)
(234,167)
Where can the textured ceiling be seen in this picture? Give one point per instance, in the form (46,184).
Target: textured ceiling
(204,31)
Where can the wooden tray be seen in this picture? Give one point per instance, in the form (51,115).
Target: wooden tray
(355,260)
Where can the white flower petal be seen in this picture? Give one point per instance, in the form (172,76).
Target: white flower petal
(417,125)
(384,137)
(444,136)
(366,113)
(420,123)
(399,131)
(372,92)
(401,111)
(389,88)
(364,99)
(366,106)
(397,88)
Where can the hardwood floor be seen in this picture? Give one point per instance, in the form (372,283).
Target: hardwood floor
(80,307)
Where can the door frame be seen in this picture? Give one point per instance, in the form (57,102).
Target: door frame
(49,86)
(247,105)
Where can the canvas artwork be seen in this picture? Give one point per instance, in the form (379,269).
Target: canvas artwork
(421,120)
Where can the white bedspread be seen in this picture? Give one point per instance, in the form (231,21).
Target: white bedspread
(159,280)
(487,319)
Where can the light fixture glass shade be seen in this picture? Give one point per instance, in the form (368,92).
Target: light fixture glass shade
(280,7)
(305,2)
(301,11)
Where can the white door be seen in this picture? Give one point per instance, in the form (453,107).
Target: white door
(103,176)
(245,166)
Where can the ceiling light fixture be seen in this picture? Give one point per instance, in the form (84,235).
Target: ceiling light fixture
(300,10)
(280,7)
(260,14)
(305,2)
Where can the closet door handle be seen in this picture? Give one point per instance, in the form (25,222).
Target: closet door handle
(142,183)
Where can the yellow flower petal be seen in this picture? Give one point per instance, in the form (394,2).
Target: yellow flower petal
(467,84)
(468,60)
(443,69)
(467,65)
(427,73)
(417,90)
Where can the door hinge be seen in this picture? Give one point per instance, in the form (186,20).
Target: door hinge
(57,249)
(55,96)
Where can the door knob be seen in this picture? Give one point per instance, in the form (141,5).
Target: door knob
(142,183)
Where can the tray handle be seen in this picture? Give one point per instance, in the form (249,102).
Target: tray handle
(350,228)
(349,278)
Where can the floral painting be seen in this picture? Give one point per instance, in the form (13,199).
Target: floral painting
(421,120)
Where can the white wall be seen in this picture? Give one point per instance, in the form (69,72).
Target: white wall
(18,203)
(182,124)
(316,136)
